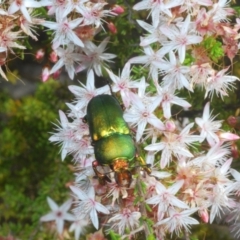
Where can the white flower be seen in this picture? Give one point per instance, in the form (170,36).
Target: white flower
(165,198)
(58,7)
(151,59)
(179,37)
(75,4)
(166,97)
(220,11)
(219,83)
(192,6)
(82,178)
(218,200)
(61,7)
(126,219)
(155,35)
(175,73)
(77,113)
(174,144)
(236,185)
(59,214)
(81,147)
(78,226)
(94,57)
(220,175)
(22,6)
(64,33)
(27,26)
(87,206)
(93,14)
(141,113)
(67,58)
(178,220)
(85,93)
(64,135)
(215,156)
(115,191)
(199,74)
(123,84)
(235,226)
(72,141)
(157,7)
(208,126)
(8,39)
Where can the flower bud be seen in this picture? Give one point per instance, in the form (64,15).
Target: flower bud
(118,9)
(203,213)
(234,122)
(112,27)
(45,74)
(170,126)
(53,57)
(234,151)
(40,54)
(56,74)
(227,136)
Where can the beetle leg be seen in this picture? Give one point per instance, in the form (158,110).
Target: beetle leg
(145,166)
(102,177)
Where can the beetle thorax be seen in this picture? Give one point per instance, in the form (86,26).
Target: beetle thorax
(123,176)
(119,164)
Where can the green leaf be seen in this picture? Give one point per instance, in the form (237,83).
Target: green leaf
(151,237)
(213,48)
(114,236)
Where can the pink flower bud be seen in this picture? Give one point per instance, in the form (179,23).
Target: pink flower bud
(56,74)
(53,57)
(203,213)
(227,136)
(118,9)
(40,54)
(112,27)
(234,122)
(45,74)
(170,126)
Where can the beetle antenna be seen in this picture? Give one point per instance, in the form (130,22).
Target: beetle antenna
(110,87)
(122,105)
(142,166)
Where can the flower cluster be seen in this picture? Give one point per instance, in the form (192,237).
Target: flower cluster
(77,22)
(74,25)
(17,21)
(190,163)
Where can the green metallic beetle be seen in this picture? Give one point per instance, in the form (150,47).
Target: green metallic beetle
(111,139)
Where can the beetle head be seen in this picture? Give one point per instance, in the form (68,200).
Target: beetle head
(123,178)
